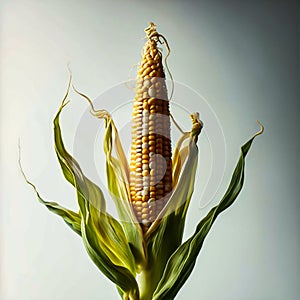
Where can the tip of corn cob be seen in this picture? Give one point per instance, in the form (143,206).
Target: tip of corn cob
(151,29)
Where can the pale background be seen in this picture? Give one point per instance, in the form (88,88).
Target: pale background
(242,56)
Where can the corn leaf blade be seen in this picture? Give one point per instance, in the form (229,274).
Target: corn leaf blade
(103,236)
(117,172)
(118,274)
(165,235)
(182,262)
(72,219)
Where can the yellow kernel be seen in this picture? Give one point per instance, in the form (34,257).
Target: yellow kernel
(146,71)
(144,216)
(145,173)
(138,203)
(145,105)
(153,73)
(145,210)
(151,101)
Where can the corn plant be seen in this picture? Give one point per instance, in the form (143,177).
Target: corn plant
(142,251)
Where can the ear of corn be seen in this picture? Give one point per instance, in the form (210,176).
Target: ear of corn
(145,193)
(151,163)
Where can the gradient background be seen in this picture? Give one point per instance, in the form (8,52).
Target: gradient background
(242,56)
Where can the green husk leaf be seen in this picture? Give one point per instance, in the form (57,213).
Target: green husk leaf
(117,171)
(182,262)
(91,235)
(162,239)
(103,236)
(184,161)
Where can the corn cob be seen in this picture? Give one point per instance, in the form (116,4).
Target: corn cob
(151,164)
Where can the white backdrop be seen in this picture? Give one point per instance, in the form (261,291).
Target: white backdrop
(241,56)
